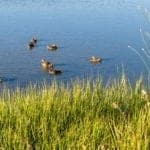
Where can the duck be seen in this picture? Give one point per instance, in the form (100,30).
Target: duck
(46,65)
(34,40)
(51,47)
(53,71)
(31,45)
(95,59)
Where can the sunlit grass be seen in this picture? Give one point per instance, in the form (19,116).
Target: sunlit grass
(86,115)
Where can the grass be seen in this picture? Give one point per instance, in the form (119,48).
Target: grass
(87,115)
(144,53)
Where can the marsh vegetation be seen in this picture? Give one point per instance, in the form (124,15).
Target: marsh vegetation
(86,116)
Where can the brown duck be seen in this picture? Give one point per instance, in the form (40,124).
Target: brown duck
(95,59)
(53,71)
(46,65)
(52,47)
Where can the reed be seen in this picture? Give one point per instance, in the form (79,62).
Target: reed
(87,115)
(144,53)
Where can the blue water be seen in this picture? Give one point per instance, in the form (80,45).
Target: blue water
(80,28)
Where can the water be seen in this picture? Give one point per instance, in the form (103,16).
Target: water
(81,29)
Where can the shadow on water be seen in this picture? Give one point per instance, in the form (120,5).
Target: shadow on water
(6,79)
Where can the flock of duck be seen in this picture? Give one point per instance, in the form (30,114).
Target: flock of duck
(48,66)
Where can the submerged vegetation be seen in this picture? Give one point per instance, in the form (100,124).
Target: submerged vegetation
(86,115)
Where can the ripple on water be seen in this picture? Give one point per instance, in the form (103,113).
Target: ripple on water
(81,29)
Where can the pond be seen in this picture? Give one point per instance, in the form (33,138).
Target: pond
(80,28)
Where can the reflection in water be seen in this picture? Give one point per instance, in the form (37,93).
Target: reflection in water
(81,29)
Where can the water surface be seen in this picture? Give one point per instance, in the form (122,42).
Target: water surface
(81,29)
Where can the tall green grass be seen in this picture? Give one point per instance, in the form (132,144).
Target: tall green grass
(86,115)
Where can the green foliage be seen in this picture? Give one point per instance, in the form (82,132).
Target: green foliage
(85,115)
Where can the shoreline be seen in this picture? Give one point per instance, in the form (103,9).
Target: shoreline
(86,116)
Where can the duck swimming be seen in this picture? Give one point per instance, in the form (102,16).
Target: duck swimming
(95,59)
(46,65)
(53,71)
(31,45)
(34,40)
(51,47)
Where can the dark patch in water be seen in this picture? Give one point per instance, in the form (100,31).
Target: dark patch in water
(5,79)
